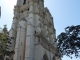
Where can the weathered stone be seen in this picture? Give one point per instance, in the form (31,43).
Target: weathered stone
(33,31)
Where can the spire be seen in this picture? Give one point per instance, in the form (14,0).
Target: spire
(5,28)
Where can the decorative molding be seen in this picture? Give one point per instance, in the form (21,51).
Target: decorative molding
(46,44)
(24,7)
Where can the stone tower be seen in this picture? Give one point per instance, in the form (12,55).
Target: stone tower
(33,32)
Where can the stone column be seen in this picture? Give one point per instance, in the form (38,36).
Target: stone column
(27,43)
(17,44)
(29,51)
(20,41)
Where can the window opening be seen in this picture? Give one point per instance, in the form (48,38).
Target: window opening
(28,9)
(24,2)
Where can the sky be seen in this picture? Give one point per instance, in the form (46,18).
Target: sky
(65,13)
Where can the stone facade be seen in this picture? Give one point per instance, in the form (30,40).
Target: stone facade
(33,32)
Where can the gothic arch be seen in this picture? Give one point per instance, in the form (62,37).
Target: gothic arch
(45,57)
(53,58)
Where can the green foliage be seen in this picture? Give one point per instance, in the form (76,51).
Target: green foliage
(5,43)
(69,41)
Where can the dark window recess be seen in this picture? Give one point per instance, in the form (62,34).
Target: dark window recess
(28,1)
(39,39)
(35,32)
(24,2)
(21,11)
(45,57)
(28,9)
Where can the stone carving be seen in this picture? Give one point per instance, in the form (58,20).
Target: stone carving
(35,32)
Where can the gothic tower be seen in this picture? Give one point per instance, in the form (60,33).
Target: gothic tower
(33,32)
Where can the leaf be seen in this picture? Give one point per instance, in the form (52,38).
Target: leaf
(5,43)
(69,41)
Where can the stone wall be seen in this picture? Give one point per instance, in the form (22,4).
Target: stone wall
(33,31)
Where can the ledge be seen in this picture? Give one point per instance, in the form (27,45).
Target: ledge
(46,44)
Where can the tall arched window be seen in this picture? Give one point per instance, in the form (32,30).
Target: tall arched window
(45,57)
(24,2)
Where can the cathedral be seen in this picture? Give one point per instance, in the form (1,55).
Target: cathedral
(33,31)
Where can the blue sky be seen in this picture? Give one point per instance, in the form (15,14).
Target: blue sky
(64,12)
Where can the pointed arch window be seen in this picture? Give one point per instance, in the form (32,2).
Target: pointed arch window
(24,2)
(53,58)
(45,57)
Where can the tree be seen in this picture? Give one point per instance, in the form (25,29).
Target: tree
(5,43)
(69,41)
